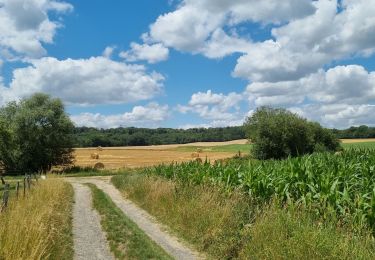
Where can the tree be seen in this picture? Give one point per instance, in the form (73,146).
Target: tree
(278,133)
(35,134)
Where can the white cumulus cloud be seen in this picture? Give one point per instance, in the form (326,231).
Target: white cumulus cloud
(108,51)
(25,25)
(150,115)
(197,25)
(220,109)
(338,115)
(151,53)
(97,80)
(304,45)
(351,84)
(265,11)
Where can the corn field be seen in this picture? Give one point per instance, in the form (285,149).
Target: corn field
(343,184)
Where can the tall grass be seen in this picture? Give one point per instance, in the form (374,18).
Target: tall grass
(341,185)
(229,225)
(202,215)
(280,233)
(40,225)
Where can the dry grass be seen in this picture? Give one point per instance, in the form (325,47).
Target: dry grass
(351,141)
(164,147)
(127,158)
(39,226)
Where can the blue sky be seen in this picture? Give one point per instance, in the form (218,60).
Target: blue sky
(191,63)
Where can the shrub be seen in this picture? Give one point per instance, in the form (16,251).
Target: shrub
(278,133)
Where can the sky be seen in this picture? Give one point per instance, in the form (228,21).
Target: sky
(191,63)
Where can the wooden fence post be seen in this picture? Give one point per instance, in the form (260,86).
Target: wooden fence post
(24,186)
(5,197)
(28,182)
(17,188)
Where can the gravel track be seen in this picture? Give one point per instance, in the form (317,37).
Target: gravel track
(146,222)
(89,239)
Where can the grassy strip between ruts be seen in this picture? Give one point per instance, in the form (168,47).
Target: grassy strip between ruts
(40,225)
(231,225)
(126,240)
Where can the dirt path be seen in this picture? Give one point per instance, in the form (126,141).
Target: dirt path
(89,239)
(146,222)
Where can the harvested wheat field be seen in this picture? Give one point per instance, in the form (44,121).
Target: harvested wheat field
(139,156)
(352,141)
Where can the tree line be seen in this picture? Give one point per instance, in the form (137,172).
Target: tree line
(132,136)
(353,132)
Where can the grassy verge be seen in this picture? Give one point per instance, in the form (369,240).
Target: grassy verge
(40,225)
(229,225)
(89,174)
(126,240)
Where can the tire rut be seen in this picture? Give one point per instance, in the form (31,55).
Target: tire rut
(172,245)
(89,240)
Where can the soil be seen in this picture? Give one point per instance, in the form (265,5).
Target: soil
(89,240)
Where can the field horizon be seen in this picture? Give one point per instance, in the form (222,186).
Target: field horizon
(143,156)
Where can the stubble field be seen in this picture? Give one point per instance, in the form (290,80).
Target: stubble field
(140,156)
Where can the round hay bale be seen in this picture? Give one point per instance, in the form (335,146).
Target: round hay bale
(99,166)
(199,160)
(194,155)
(95,156)
(99,148)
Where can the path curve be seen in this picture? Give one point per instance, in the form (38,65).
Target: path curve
(157,232)
(89,239)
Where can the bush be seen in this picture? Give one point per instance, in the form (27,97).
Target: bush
(278,133)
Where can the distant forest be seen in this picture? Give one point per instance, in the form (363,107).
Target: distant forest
(93,137)
(362,131)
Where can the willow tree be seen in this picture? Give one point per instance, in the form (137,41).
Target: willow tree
(278,133)
(35,134)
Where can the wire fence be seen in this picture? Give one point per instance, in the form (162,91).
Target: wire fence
(20,187)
